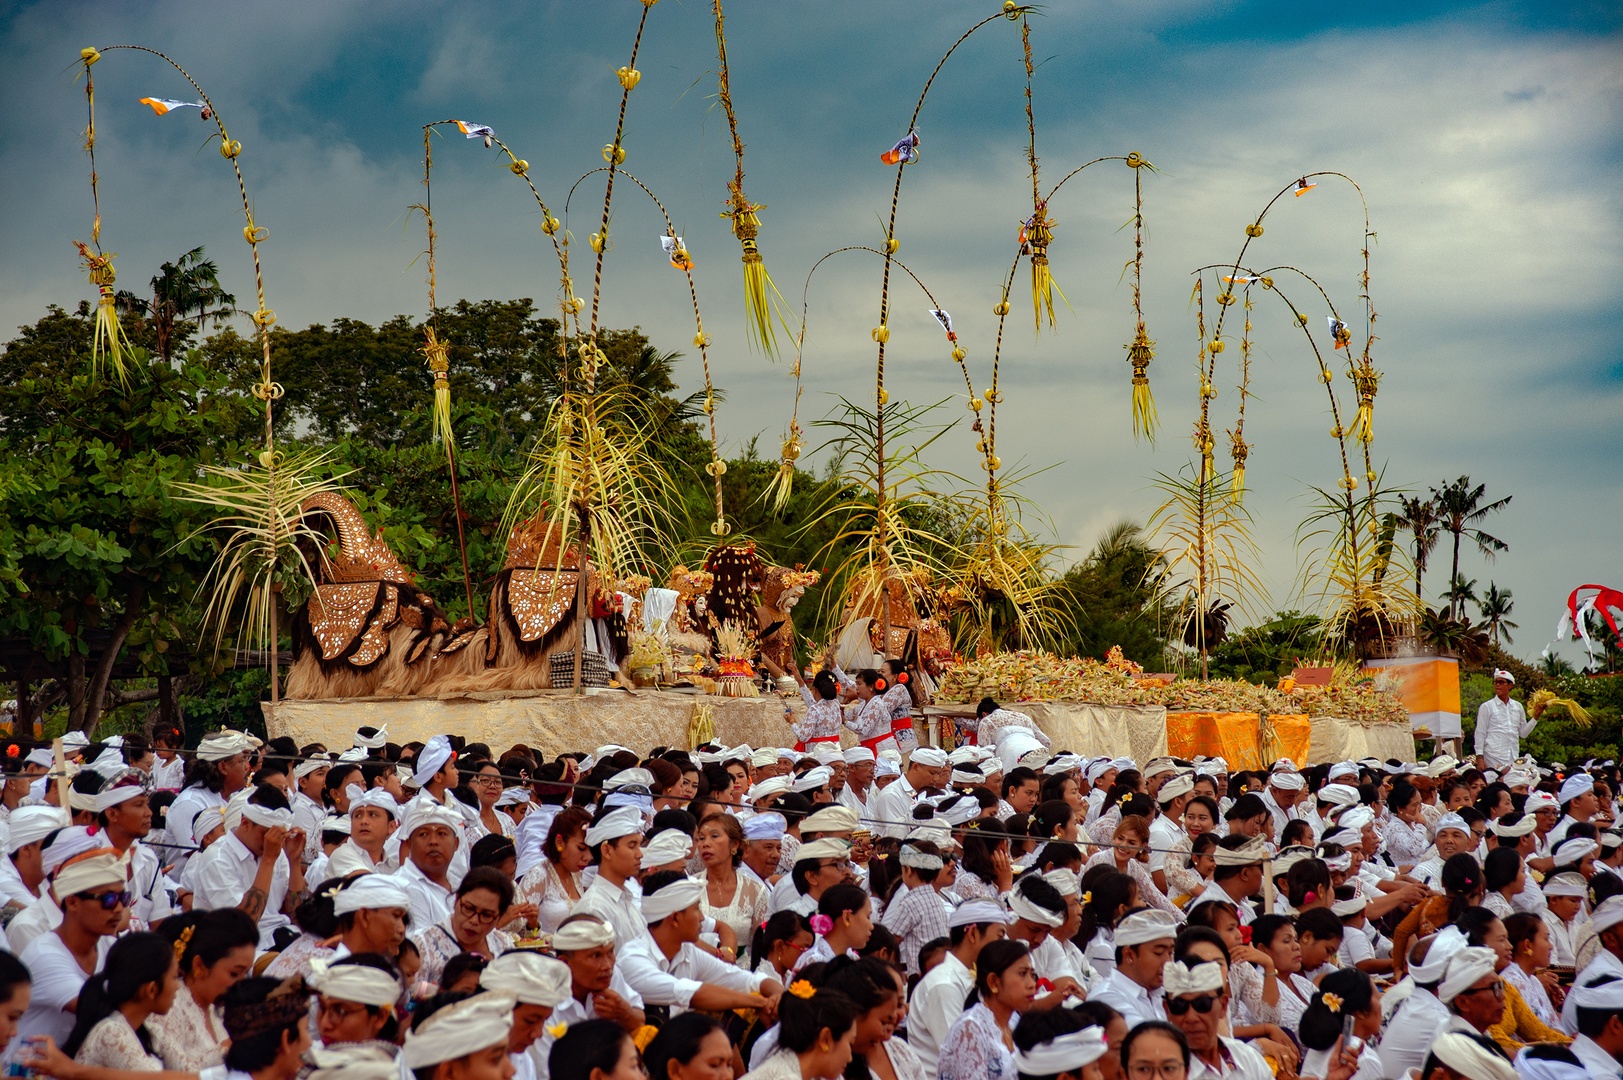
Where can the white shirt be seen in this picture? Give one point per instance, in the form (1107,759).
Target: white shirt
(1500,728)
(573,1012)
(308,815)
(1242,1063)
(1603,964)
(12,887)
(1596,1062)
(183,812)
(1135,1003)
(674,981)
(938,1001)
(40,917)
(149,884)
(619,906)
(1563,936)
(226,873)
(430,903)
(167,775)
(57,980)
(1214,891)
(892,809)
(857,804)
(1408,1037)
(1164,834)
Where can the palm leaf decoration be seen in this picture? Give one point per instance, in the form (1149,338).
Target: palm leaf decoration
(1363,594)
(263,562)
(1203,536)
(1004,574)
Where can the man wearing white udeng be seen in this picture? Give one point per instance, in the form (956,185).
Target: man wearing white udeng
(1501,725)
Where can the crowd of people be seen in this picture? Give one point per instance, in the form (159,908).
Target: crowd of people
(1006,909)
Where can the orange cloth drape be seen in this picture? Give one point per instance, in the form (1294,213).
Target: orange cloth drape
(1235,737)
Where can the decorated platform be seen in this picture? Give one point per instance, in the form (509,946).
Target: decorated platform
(549,721)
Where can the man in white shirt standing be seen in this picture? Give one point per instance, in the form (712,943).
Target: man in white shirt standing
(938,999)
(429,841)
(1501,724)
(1144,941)
(255,866)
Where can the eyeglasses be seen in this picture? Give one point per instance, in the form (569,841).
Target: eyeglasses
(1202,1004)
(1497,986)
(108,900)
(1171,1070)
(477,914)
(487,780)
(340,1010)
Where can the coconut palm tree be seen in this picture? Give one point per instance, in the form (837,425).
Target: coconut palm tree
(183,292)
(1420,519)
(1495,606)
(1461,511)
(1462,592)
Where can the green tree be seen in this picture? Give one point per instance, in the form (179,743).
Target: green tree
(1109,599)
(107,557)
(1462,592)
(1419,519)
(1263,653)
(1495,606)
(183,291)
(1461,511)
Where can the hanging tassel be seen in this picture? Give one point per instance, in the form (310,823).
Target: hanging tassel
(107,333)
(758,287)
(1203,443)
(440,364)
(777,494)
(1366,379)
(1139,354)
(1239,451)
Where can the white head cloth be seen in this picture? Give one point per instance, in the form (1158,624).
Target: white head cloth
(424,812)
(431,759)
(978,913)
(1575,785)
(1571,852)
(530,977)
(1338,795)
(1567,884)
(1065,881)
(615,824)
(856,755)
(768,826)
(220,745)
(360,983)
(514,796)
(1464,968)
(375,741)
(1444,944)
(929,756)
(1356,818)
(1148,925)
(378,797)
(1451,821)
(109,797)
(812,779)
(830,819)
(467,1027)
(1539,800)
(1065,1053)
(1252,852)
(677,896)
(1202,978)
(353,1061)
(310,765)
(1469,1058)
(765,789)
(1501,673)
(1608,914)
(1526,825)
(582,934)
(335,824)
(667,846)
(1178,785)
(207,820)
(94,869)
(265,816)
(371,892)
(919,860)
(31,824)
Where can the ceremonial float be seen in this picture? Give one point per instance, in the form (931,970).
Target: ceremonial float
(577,643)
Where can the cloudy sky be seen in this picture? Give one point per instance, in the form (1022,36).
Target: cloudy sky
(1485,138)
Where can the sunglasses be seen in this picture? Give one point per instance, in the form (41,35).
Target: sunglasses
(1203,1004)
(108,900)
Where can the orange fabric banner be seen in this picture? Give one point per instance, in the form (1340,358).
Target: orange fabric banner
(1235,737)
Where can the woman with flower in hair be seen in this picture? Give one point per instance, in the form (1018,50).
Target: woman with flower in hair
(815,1030)
(898,698)
(872,722)
(216,951)
(980,1043)
(843,924)
(985,871)
(1128,853)
(1344,993)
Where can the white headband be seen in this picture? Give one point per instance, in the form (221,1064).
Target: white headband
(919,860)
(31,824)
(360,983)
(305,768)
(1142,926)
(582,934)
(378,797)
(677,896)
(467,1027)
(375,741)
(1065,881)
(222,745)
(123,793)
(978,913)
(421,813)
(530,977)
(1526,825)
(1464,968)
(615,824)
(667,846)
(1063,1053)
(1253,851)
(371,892)
(264,815)
(1467,1057)
(1444,944)
(431,759)
(768,826)
(1572,851)
(1202,978)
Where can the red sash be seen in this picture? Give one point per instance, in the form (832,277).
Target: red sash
(801,746)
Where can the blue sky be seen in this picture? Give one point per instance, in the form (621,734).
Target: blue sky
(1485,137)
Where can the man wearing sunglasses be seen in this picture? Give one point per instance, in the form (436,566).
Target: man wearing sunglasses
(1475,996)
(91,890)
(1197,1003)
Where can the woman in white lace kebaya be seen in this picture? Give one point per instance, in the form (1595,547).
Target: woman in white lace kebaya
(140,978)
(553,884)
(980,1043)
(487,785)
(1129,846)
(999,720)
(735,899)
(1406,836)
(216,952)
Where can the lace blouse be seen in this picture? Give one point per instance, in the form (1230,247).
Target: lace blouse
(1404,842)
(1288,1012)
(1534,996)
(113,1044)
(295,959)
(477,830)
(822,720)
(904,1060)
(997,722)
(1148,894)
(969,886)
(189,1038)
(974,1049)
(744,912)
(438,944)
(543,886)
(1182,879)
(1245,993)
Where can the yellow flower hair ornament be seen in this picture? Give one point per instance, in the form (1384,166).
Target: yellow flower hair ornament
(1125,799)
(557,1030)
(182,941)
(1333,1002)
(1087,898)
(802,989)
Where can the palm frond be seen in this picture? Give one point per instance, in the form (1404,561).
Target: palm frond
(1349,566)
